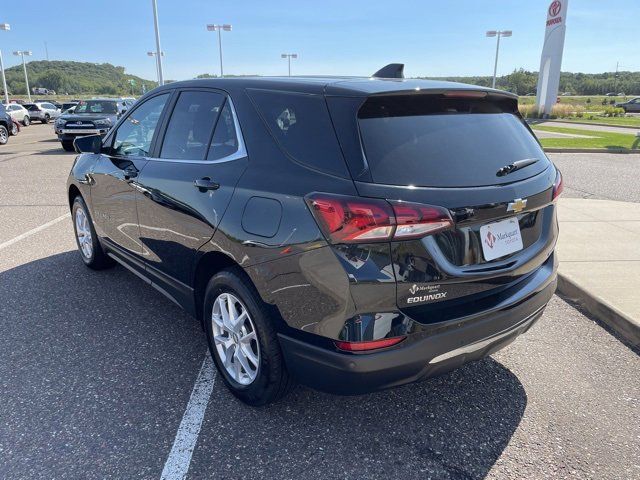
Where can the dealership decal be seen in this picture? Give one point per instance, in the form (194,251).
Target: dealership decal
(431,292)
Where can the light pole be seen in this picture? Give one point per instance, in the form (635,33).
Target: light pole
(154,54)
(158,49)
(22,53)
(218,28)
(289,56)
(497,33)
(4,26)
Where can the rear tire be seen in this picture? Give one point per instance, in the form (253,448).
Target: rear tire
(46,118)
(14,129)
(89,246)
(4,135)
(267,379)
(26,121)
(68,145)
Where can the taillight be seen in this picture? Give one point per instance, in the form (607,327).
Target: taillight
(345,219)
(558,186)
(416,220)
(370,345)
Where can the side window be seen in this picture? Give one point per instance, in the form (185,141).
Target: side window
(136,132)
(225,138)
(191,125)
(302,127)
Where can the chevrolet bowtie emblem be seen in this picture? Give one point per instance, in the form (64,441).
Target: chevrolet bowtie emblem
(517,205)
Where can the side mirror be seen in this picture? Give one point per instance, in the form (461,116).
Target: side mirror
(88,144)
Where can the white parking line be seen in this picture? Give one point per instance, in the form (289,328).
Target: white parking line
(32,231)
(177,464)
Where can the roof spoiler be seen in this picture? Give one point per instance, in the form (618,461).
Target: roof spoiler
(393,70)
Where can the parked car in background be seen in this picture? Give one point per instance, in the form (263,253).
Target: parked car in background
(632,105)
(42,111)
(89,117)
(56,103)
(6,125)
(354,234)
(42,91)
(18,113)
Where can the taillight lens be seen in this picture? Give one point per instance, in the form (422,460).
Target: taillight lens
(370,345)
(415,220)
(558,185)
(345,219)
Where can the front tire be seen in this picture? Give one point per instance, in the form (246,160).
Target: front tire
(243,340)
(89,246)
(26,121)
(68,145)
(46,118)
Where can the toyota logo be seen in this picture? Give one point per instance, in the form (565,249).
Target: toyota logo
(554,8)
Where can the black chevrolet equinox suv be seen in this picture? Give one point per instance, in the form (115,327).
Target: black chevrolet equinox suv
(350,234)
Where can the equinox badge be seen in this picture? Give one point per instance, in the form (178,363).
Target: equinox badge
(517,205)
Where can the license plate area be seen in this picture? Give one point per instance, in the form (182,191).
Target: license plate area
(500,238)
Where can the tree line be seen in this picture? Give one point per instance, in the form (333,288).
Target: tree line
(523,82)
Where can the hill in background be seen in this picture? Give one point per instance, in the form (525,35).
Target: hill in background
(75,78)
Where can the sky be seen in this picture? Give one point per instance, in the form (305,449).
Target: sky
(346,37)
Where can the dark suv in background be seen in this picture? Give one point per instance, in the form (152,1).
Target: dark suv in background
(352,234)
(90,117)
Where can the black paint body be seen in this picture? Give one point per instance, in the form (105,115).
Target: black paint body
(150,217)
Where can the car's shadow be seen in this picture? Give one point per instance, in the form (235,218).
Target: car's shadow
(101,355)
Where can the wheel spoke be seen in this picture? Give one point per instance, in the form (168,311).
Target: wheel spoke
(248,337)
(248,353)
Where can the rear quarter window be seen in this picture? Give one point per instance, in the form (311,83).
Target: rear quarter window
(301,126)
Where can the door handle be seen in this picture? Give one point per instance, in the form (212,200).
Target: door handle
(204,184)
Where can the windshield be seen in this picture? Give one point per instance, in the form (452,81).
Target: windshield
(455,146)
(97,106)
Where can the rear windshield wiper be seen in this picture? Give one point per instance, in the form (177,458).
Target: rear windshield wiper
(517,165)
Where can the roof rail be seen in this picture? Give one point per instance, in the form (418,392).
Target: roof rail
(393,70)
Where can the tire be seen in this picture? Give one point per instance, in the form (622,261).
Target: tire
(91,252)
(46,118)
(68,145)
(4,135)
(14,129)
(271,380)
(26,121)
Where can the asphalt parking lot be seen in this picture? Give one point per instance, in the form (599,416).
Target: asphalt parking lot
(97,370)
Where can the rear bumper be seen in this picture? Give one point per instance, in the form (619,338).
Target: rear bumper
(431,352)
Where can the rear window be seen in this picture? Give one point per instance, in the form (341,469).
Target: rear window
(32,107)
(301,125)
(445,142)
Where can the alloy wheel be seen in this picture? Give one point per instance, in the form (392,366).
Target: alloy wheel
(4,136)
(83,233)
(235,338)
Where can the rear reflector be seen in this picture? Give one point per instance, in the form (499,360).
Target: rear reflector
(345,219)
(371,345)
(558,185)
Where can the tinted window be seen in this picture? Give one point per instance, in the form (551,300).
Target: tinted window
(191,125)
(135,134)
(445,143)
(301,125)
(32,107)
(225,138)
